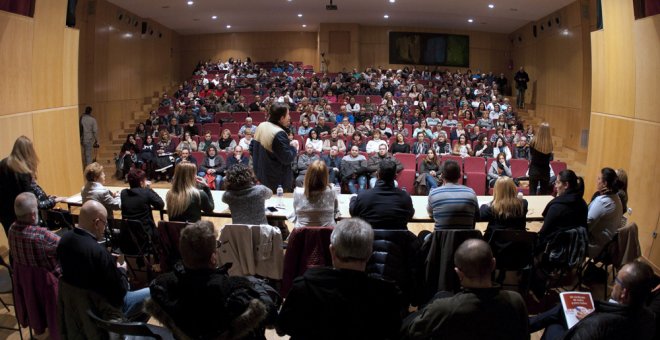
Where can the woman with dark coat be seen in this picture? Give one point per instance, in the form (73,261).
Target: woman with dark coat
(539,166)
(567,210)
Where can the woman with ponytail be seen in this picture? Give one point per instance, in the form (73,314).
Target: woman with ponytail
(567,210)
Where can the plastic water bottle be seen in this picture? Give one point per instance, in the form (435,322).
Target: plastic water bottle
(280,195)
(520,194)
(337,189)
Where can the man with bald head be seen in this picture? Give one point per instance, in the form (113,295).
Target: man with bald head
(495,313)
(30,244)
(88,265)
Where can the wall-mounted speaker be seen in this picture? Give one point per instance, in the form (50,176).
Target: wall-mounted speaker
(534,30)
(144,27)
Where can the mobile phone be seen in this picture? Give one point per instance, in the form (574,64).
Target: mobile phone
(271,209)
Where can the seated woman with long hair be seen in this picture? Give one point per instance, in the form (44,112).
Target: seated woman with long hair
(567,210)
(462,147)
(498,168)
(506,211)
(429,172)
(128,156)
(247,201)
(315,204)
(189,195)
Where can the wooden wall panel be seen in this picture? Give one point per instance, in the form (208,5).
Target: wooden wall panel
(619,85)
(647,67)
(16,32)
(47,55)
(644,188)
(488,51)
(70,67)
(626,133)
(558,61)
(57,143)
(12,127)
(340,61)
(39,65)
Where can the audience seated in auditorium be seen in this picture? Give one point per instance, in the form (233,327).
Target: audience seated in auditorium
(354,170)
(199,300)
(462,147)
(452,205)
(245,199)
(315,203)
(342,302)
(88,266)
(623,316)
(94,189)
(384,206)
(189,195)
(479,311)
(186,143)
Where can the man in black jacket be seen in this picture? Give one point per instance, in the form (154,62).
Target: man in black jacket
(384,206)
(342,302)
(479,311)
(622,317)
(198,300)
(87,265)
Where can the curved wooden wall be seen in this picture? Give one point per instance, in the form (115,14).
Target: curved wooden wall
(625,123)
(39,92)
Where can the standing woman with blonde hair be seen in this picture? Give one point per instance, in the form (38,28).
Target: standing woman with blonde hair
(18,174)
(189,195)
(540,150)
(315,204)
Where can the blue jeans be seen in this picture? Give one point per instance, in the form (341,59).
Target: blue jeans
(333,177)
(431,182)
(218,179)
(362,183)
(133,302)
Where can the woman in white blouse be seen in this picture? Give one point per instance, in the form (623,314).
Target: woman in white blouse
(315,204)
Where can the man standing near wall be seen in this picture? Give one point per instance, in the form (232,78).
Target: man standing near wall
(521,78)
(88,130)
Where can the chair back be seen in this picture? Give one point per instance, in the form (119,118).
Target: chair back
(125,328)
(56,219)
(513,249)
(395,258)
(169,233)
(438,250)
(307,247)
(133,239)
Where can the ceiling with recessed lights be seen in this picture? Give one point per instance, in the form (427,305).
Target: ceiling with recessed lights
(213,16)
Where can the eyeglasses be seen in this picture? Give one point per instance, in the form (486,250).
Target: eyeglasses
(617,280)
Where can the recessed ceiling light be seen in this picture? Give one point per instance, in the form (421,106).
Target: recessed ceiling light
(303,25)
(392,1)
(386,16)
(491,6)
(299,15)
(470,20)
(228,26)
(190,3)
(214,17)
